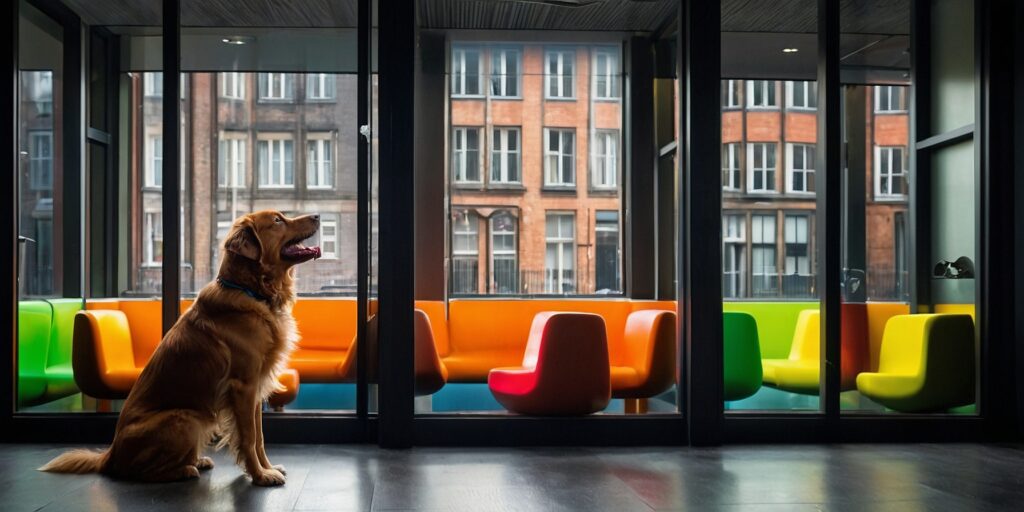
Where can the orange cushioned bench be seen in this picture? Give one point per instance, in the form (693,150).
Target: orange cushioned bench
(483,334)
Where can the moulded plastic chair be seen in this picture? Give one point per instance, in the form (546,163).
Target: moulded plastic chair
(34,323)
(564,370)
(648,356)
(742,356)
(431,374)
(926,364)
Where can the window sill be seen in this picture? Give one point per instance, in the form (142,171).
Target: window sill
(506,98)
(276,187)
(559,189)
(467,96)
(275,101)
(468,185)
(231,98)
(560,98)
(315,101)
(321,188)
(890,112)
(890,198)
(609,99)
(762,108)
(506,187)
(801,193)
(604,191)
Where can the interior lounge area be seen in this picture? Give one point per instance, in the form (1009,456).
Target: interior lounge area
(638,240)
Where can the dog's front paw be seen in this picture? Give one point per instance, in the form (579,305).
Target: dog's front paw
(204,463)
(280,468)
(268,478)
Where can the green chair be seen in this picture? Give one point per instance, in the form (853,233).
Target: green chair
(742,356)
(926,364)
(60,379)
(35,318)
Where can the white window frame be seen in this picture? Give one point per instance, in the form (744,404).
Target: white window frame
(757,241)
(889,90)
(500,80)
(732,177)
(807,170)
(471,230)
(611,74)
(559,156)
(554,277)
(153,167)
(40,178)
(810,88)
(601,226)
(604,166)
(231,171)
(321,86)
(276,178)
(279,86)
(561,58)
(769,91)
(150,81)
(752,171)
(460,153)
(320,160)
(328,221)
(731,98)
(885,153)
(458,80)
(151,219)
(232,85)
(796,233)
(734,239)
(496,254)
(500,151)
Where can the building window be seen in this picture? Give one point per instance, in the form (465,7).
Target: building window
(276,86)
(320,87)
(232,86)
(466,71)
(41,91)
(505,273)
(153,239)
(731,166)
(606,159)
(154,161)
(559,77)
(607,270)
(153,84)
(466,155)
(505,64)
(328,237)
(734,256)
(797,280)
(319,161)
(465,250)
(731,93)
(890,173)
(231,162)
(761,94)
(763,271)
(761,158)
(800,168)
(606,74)
(802,95)
(559,157)
(275,157)
(40,160)
(890,98)
(560,253)
(505,156)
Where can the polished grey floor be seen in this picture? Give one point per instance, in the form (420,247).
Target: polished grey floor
(744,478)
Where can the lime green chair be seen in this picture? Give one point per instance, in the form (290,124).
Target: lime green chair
(742,356)
(45,333)
(799,372)
(926,364)
(35,318)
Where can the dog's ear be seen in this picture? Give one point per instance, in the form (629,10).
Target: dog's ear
(243,241)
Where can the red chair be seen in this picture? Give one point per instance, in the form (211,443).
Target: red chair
(565,368)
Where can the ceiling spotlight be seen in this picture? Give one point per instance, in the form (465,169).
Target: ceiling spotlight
(236,40)
(790,50)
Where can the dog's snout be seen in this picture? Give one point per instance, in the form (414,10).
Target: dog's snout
(316,217)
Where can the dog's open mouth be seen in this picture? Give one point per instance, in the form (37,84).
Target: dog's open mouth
(295,251)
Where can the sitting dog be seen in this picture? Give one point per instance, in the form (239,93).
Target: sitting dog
(213,369)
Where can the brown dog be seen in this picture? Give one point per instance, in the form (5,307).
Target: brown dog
(214,368)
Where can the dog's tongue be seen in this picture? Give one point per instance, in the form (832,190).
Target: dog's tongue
(300,251)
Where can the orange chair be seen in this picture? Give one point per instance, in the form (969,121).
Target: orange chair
(114,340)
(327,332)
(645,366)
(564,370)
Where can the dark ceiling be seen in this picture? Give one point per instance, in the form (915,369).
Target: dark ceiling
(787,16)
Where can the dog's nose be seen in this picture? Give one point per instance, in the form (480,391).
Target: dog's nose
(316,217)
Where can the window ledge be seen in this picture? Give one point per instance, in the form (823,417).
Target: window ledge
(559,188)
(506,187)
(560,98)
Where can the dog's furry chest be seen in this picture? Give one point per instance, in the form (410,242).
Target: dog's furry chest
(285,337)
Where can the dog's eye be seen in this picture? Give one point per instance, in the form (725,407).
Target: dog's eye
(278,220)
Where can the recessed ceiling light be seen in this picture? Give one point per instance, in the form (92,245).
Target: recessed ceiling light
(790,50)
(236,40)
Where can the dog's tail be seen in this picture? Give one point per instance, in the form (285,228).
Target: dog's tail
(78,461)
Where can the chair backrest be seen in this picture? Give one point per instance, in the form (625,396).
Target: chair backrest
(568,344)
(437,313)
(807,337)
(741,355)
(325,324)
(61,335)
(903,344)
(649,346)
(912,342)
(35,320)
(430,372)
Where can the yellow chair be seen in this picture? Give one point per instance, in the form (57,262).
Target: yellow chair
(926,364)
(799,372)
